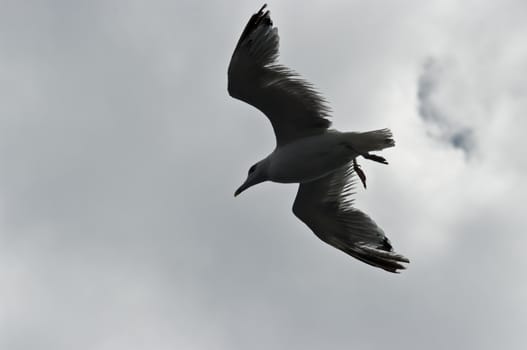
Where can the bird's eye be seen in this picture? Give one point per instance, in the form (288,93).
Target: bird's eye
(252,169)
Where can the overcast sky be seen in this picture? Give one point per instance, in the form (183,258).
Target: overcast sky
(120,150)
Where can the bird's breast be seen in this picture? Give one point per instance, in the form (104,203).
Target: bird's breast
(309,158)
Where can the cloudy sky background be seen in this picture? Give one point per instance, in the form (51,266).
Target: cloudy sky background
(120,151)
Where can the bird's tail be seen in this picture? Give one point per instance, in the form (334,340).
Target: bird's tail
(376,140)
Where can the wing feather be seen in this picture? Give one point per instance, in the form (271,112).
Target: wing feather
(325,206)
(292,104)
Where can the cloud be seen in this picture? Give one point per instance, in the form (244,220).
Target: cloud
(120,150)
(441,125)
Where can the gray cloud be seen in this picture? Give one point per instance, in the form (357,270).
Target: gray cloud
(443,126)
(120,151)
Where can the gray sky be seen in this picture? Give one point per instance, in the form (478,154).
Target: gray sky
(120,151)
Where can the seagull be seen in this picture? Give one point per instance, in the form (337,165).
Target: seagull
(322,160)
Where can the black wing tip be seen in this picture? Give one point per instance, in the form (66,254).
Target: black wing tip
(263,14)
(255,20)
(262,8)
(393,266)
(391,262)
(386,245)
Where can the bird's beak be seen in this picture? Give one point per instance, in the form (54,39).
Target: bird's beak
(242,188)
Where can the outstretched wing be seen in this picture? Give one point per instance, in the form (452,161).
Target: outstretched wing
(325,206)
(292,105)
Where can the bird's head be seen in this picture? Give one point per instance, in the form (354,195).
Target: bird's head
(257,173)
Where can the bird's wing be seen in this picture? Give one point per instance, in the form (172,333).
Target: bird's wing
(325,206)
(292,105)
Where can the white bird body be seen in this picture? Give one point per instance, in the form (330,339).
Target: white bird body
(309,158)
(312,157)
(321,160)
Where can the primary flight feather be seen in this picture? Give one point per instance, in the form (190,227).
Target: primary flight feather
(321,160)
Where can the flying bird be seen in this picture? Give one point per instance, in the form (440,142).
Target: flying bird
(322,160)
